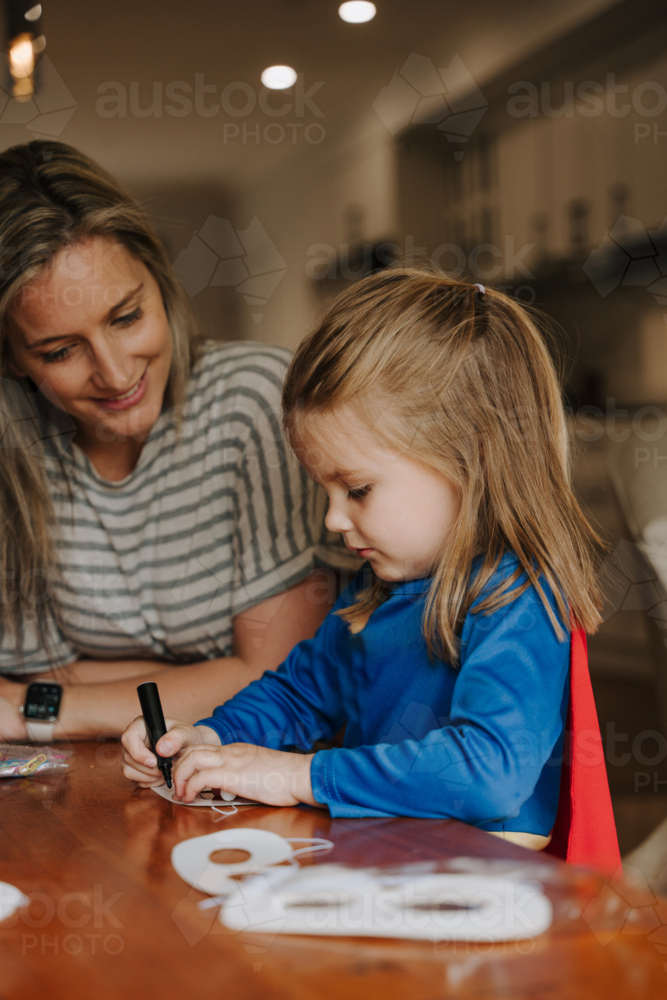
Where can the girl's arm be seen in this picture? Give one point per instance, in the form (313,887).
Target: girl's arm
(263,636)
(506,718)
(299,703)
(507,715)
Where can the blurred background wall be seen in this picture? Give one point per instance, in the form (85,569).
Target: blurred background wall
(560,112)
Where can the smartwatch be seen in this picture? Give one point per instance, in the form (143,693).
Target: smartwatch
(40,710)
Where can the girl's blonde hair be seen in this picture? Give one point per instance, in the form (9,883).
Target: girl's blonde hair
(51,197)
(462,382)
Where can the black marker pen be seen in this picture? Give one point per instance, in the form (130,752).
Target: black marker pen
(151,709)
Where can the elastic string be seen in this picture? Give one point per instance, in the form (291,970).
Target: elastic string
(315,844)
(223,814)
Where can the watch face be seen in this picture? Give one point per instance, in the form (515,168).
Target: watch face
(42,702)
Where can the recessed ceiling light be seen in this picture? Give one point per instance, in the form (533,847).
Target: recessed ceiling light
(357,11)
(279,77)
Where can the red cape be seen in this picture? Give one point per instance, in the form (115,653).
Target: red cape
(584,832)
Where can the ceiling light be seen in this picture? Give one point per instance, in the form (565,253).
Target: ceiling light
(21,57)
(279,77)
(357,11)
(25,42)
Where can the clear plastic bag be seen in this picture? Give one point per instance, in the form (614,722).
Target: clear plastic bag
(22,762)
(454,899)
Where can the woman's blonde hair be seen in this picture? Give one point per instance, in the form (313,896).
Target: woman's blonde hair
(462,382)
(51,197)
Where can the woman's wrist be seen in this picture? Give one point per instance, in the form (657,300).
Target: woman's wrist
(12,723)
(14,693)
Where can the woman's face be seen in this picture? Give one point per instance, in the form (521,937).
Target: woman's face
(92,333)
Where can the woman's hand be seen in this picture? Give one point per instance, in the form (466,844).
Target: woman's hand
(14,690)
(139,764)
(271,776)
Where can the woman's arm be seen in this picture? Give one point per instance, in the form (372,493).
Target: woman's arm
(99,671)
(263,636)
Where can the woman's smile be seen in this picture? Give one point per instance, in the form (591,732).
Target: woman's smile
(130,398)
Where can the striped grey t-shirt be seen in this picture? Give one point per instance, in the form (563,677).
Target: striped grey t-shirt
(208,524)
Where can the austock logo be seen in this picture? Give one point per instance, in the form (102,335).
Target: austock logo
(419,93)
(629,255)
(47,112)
(627,905)
(244,259)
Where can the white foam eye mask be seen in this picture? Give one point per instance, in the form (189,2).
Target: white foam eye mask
(192,858)
(11,899)
(331,899)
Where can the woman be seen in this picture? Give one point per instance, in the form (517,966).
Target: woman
(154,527)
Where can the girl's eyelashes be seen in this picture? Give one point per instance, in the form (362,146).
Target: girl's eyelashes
(358,492)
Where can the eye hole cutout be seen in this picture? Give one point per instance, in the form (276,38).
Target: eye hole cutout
(229,856)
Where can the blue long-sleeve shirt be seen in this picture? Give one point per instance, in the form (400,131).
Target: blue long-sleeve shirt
(481,743)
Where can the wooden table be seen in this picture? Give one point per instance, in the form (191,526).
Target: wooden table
(109,917)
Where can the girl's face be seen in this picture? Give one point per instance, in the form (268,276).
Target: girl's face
(390,509)
(92,334)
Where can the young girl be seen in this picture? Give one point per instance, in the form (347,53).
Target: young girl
(430,410)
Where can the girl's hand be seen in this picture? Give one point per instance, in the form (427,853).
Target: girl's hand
(271,776)
(139,764)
